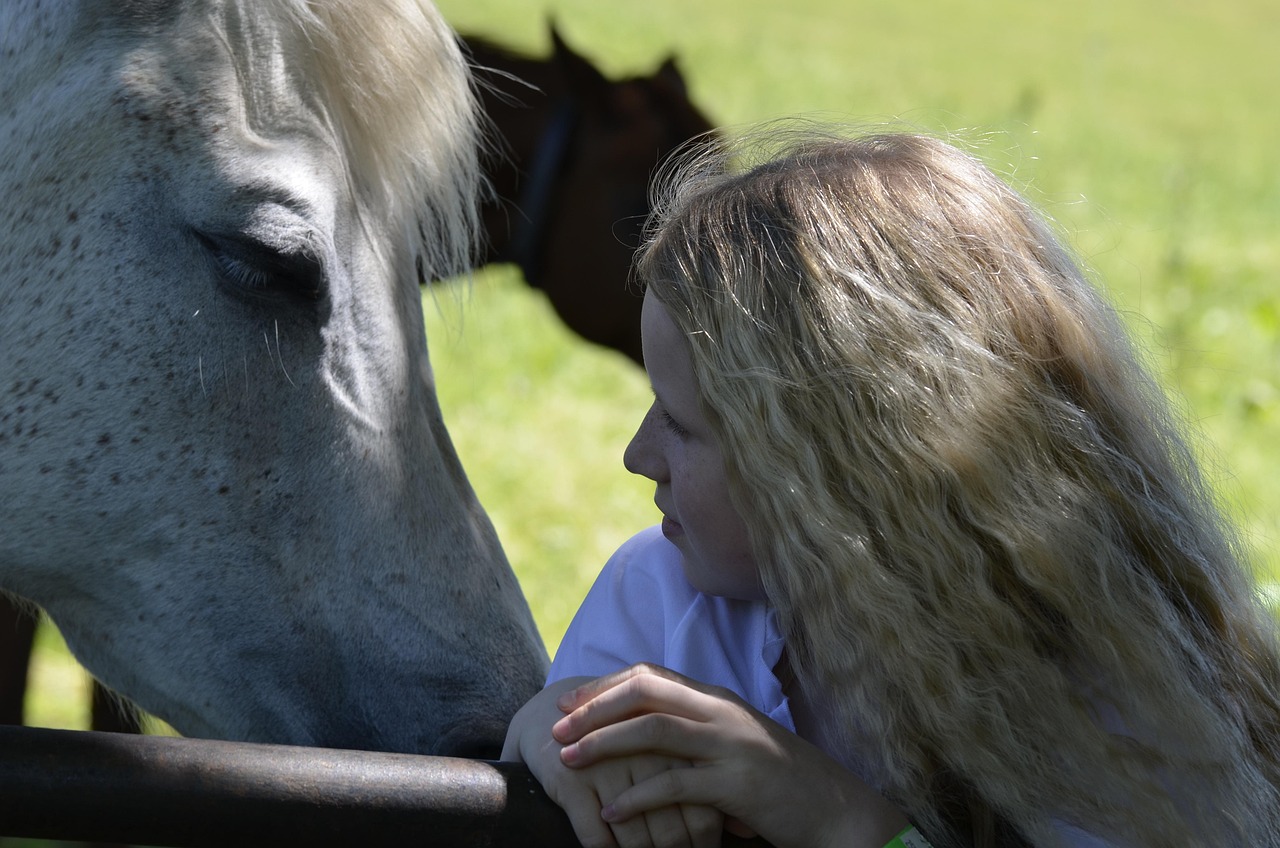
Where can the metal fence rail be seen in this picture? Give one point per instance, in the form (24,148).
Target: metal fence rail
(147,790)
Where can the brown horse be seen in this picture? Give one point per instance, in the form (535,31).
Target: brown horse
(570,171)
(572,174)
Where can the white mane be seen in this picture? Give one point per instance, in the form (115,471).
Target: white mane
(387,76)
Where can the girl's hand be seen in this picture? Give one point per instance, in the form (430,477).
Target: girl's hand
(583,792)
(766,779)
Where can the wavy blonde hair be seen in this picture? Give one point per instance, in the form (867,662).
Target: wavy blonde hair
(987,540)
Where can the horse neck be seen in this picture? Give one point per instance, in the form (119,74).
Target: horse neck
(534,128)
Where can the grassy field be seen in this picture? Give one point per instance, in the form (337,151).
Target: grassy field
(1148,129)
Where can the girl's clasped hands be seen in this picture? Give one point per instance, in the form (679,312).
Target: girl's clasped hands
(648,757)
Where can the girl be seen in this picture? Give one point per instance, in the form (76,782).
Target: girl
(924,508)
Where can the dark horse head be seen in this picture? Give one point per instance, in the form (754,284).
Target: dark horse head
(571,174)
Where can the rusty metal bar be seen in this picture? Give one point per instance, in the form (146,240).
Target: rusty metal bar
(197,793)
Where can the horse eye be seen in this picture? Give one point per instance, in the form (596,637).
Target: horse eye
(254,269)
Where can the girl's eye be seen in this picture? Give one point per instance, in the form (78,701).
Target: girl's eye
(673,425)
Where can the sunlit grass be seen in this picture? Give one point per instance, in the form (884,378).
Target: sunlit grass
(58,688)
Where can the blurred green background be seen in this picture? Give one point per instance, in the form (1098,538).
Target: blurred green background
(1149,130)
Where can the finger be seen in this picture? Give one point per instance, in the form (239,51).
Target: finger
(611,780)
(584,812)
(576,697)
(659,828)
(633,833)
(655,733)
(690,786)
(638,695)
(705,825)
(666,828)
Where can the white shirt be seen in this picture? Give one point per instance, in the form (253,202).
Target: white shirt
(641,609)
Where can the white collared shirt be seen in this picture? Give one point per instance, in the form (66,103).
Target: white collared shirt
(641,609)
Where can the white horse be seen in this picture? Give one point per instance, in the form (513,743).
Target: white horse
(223,470)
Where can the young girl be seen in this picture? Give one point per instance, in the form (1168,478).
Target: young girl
(924,508)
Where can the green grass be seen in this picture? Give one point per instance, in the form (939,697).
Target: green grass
(1146,128)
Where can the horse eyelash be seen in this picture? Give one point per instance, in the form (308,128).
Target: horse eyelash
(242,273)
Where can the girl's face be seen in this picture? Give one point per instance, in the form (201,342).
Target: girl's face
(674,448)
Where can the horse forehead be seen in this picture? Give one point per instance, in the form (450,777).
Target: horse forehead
(225,84)
(36,31)
(192,54)
(170,105)
(93,19)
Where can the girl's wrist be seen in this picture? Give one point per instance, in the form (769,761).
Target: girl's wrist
(868,820)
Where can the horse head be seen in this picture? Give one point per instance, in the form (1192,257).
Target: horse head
(572,182)
(223,469)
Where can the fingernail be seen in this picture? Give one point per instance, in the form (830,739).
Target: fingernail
(569,754)
(565,701)
(560,730)
(608,813)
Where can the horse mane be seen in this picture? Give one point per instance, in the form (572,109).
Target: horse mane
(391,82)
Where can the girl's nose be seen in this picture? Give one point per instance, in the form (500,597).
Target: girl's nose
(641,456)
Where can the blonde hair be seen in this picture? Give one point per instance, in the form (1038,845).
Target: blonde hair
(987,541)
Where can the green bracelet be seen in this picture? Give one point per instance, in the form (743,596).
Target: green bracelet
(909,838)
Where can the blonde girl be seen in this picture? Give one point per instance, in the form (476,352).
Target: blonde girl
(1004,607)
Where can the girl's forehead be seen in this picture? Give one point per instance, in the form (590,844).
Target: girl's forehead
(657,328)
(666,350)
